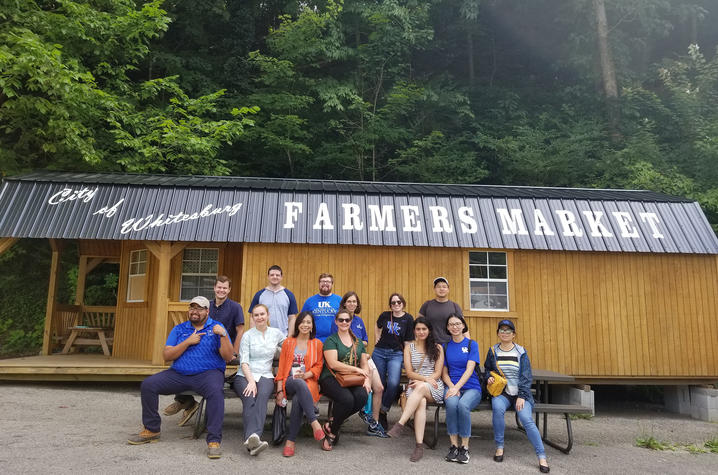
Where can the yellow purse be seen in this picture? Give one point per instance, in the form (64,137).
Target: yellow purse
(497,387)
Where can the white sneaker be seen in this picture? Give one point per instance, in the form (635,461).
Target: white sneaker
(252,442)
(262,445)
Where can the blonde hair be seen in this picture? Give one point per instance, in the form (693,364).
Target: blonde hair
(264,307)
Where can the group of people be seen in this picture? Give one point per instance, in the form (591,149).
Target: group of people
(323,350)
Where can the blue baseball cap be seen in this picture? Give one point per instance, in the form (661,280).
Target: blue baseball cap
(506,323)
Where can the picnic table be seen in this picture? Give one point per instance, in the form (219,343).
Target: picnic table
(99,339)
(542,379)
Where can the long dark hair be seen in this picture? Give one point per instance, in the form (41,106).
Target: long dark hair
(302,315)
(432,351)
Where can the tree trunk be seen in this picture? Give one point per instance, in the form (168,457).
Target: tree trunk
(608,69)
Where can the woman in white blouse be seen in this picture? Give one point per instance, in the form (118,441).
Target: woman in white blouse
(256,383)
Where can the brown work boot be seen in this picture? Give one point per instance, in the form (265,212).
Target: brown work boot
(176,407)
(144,437)
(188,413)
(396,430)
(418,453)
(213,450)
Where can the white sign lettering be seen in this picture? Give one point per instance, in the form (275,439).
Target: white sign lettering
(292,209)
(440,220)
(323,221)
(624,221)
(381,219)
(149,221)
(109,211)
(84,194)
(468,223)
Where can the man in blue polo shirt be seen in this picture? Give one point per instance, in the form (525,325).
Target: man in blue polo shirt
(279,300)
(324,306)
(199,349)
(229,313)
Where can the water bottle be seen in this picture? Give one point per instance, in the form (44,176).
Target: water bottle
(295,369)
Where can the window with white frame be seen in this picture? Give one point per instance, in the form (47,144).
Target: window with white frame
(488,281)
(199,271)
(136,277)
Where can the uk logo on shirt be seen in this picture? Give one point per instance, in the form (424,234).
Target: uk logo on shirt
(464,349)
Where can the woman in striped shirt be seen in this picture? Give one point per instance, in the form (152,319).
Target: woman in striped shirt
(424,362)
(512,360)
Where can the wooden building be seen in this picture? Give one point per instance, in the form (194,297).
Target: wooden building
(605,285)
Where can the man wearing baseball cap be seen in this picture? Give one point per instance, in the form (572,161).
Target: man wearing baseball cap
(199,349)
(438,310)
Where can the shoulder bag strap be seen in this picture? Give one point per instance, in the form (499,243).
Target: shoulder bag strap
(497,362)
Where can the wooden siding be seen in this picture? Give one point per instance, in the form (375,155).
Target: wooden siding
(99,248)
(593,315)
(133,322)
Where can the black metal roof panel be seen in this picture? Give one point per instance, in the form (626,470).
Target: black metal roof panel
(240,209)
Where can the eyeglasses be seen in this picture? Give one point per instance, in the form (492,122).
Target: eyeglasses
(455,324)
(326,281)
(344,320)
(395,302)
(506,330)
(196,309)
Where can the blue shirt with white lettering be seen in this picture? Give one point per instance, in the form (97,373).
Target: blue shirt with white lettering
(324,310)
(200,357)
(457,356)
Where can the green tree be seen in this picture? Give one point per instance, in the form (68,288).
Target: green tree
(68,101)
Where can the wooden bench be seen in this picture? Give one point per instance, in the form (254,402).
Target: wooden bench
(539,408)
(100,324)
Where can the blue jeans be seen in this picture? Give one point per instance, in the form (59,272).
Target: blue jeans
(458,411)
(388,365)
(499,405)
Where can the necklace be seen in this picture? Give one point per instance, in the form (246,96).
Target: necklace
(501,346)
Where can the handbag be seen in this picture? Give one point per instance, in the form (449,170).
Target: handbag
(497,387)
(349,380)
(279,424)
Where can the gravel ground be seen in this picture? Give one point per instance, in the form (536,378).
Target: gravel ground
(83,427)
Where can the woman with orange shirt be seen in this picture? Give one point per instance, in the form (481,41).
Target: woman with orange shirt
(300,364)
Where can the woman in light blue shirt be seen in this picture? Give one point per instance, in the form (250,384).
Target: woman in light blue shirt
(256,383)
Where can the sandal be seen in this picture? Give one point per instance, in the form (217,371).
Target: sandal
(327,430)
(319,434)
(327,442)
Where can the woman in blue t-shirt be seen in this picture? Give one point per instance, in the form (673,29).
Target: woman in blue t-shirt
(463,388)
(511,360)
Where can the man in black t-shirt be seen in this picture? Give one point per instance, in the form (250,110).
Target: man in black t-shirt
(437,310)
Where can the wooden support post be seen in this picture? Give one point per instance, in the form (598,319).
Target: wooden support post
(92,263)
(163,252)
(6,243)
(51,293)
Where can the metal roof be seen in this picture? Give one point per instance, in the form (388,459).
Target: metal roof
(242,209)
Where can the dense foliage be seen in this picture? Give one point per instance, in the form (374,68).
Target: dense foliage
(589,93)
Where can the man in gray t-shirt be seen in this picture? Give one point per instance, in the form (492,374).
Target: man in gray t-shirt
(437,310)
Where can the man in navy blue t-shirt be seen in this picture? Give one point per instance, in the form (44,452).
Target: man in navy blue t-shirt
(199,349)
